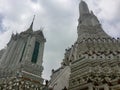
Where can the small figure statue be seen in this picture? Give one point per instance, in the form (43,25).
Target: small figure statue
(64,88)
(46,87)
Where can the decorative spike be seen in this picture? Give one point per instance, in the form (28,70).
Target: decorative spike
(92,13)
(31,26)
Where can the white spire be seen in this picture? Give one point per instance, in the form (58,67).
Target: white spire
(83,7)
(30,29)
(31,26)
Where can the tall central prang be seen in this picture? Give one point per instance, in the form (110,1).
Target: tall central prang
(93,61)
(96,63)
(88,24)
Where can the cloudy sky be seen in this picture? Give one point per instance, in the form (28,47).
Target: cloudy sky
(59,20)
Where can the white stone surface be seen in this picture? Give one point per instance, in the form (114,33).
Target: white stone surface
(17,59)
(59,81)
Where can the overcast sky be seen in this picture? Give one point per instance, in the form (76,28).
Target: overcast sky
(59,19)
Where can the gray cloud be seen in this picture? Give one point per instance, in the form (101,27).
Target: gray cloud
(59,19)
(1,27)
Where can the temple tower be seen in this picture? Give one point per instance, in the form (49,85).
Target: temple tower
(95,55)
(88,24)
(23,57)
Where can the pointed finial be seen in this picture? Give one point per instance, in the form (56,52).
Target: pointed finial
(92,12)
(41,28)
(83,8)
(12,35)
(31,26)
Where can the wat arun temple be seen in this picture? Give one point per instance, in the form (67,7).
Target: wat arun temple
(92,62)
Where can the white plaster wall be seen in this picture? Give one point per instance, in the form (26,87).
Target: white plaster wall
(62,79)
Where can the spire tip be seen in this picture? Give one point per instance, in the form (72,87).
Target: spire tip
(31,26)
